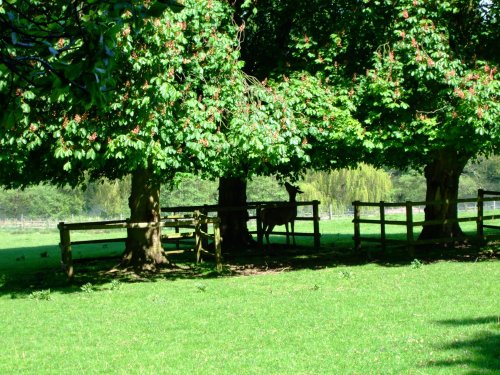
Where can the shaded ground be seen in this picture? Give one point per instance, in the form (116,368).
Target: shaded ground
(20,277)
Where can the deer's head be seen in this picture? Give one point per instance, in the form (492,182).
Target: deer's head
(292,190)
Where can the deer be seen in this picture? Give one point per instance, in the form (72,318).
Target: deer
(272,216)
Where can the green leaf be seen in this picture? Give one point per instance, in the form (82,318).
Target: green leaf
(67,166)
(91,154)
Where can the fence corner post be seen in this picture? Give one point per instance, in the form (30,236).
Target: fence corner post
(197,236)
(218,245)
(357,229)
(260,234)
(480,214)
(317,235)
(65,245)
(382,226)
(410,243)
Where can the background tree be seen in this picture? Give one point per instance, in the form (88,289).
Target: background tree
(339,188)
(107,198)
(43,201)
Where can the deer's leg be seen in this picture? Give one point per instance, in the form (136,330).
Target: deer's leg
(268,232)
(287,235)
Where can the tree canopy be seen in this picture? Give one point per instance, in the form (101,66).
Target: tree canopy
(170,98)
(67,49)
(425,94)
(119,88)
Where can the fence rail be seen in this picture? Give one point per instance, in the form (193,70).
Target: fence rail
(198,222)
(257,207)
(410,242)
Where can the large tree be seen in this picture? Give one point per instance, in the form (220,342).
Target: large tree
(319,120)
(305,128)
(422,74)
(431,101)
(175,101)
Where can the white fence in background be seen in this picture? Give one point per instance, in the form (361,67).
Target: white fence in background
(43,224)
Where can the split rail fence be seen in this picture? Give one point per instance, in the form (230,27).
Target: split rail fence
(257,207)
(197,221)
(410,242)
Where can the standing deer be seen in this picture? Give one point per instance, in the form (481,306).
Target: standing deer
(272,216)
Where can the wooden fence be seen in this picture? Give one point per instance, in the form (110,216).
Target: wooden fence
(257,207)
(198,222)
(410,242)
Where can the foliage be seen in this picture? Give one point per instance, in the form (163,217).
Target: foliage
(107,198)
(43,201)
(416,264)
(62,51)
(422,96)
(189,191)
(408,186)
(87,288)
(310,35)
(261,189)
(115,285)
(180,104)
(193,190)
(340,188)
(484,173)
(167,105)
(41,295)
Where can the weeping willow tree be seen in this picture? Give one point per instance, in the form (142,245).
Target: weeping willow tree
(339,188)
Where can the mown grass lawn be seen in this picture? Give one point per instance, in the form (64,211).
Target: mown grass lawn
(335,317)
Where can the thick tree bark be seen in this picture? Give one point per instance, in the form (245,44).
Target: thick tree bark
(442,176)
(143,250)
(234,230)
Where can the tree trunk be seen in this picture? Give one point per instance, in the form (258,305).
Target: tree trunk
(143,250)
(442,177)
(234,230)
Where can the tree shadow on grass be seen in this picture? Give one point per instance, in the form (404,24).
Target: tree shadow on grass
(482,350)
(27,270)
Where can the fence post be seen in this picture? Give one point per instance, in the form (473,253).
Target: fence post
(197,236)
(357,231)
(218,245)
(409,228)
(177,231)
(260,235)
(65,245)
(317,235)
(204,227)
(382,225)
(480,213)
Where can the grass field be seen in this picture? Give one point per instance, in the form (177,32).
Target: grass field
(299,312)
